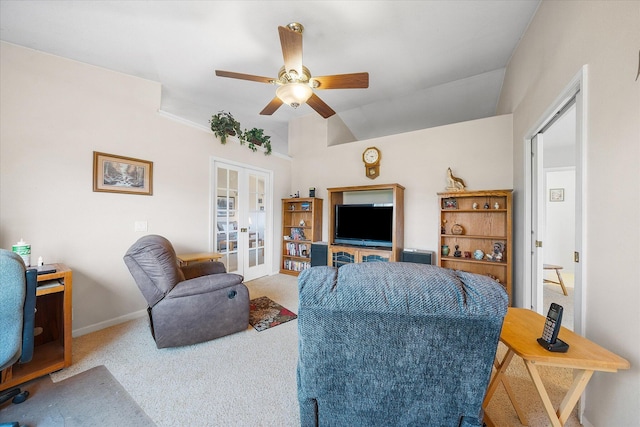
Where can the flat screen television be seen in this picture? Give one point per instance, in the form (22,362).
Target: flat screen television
(364,225)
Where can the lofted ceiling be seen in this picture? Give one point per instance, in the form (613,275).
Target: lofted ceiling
(430,63)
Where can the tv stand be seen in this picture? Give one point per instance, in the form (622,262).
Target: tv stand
(341,254)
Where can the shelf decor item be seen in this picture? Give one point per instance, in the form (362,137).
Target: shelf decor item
(457,229)
(445,250)
(450,203)
(455,183)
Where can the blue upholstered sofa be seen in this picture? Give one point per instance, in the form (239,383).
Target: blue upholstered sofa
(396,344)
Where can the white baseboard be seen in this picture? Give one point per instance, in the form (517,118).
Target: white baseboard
(107,323)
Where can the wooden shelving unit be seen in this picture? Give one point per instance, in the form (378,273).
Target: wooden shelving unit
(482,229)
(52,347)
(340,254)
(297,238)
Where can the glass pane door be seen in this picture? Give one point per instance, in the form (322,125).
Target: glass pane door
(226,217)
(255,265)
(241,211)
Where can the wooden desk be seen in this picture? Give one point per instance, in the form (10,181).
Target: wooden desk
(560,282)
(520,331)
(200,256)
(52,348)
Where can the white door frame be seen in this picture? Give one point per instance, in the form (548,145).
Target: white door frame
(268,240)
(578,88)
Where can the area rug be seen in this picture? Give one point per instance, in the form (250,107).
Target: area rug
(90,398)
(265,313)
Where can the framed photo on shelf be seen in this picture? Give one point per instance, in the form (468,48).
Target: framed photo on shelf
(450,203)
(556,195)
(119,174)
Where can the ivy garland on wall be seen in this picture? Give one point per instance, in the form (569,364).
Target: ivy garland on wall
(223,124)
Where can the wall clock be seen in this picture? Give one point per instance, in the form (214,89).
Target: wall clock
(371,158)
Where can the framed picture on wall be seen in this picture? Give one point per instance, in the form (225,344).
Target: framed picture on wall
(556,195)
(119,174)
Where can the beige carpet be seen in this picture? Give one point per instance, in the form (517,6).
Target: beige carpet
(249,378)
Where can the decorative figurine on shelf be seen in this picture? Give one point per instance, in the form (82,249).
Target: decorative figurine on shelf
(467,254)
(455,183)
(445,250)
(442,229)
(478,254)
(496,205)
(498,251)
(475,205)
(486,205)
(302,223)
(457,252)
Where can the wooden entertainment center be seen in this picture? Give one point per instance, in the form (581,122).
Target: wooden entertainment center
(384,193)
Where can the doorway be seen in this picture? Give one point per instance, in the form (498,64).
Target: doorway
(241,206)
(557,171)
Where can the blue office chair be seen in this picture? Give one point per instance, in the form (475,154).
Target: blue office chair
(17,316)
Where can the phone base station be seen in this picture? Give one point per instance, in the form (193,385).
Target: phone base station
(557,347)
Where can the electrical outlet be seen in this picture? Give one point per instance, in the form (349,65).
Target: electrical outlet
(140,226)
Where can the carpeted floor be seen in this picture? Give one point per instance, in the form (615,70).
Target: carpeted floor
(93,398)
(248,378)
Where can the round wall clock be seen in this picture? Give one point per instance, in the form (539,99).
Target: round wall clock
(371,158)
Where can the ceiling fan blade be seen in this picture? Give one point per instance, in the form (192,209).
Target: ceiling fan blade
(241,76)
(291,42)
(343,81)
(271,107)
(319,105)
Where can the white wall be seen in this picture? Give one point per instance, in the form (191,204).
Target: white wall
(54,113)
(604,35)
(478,151)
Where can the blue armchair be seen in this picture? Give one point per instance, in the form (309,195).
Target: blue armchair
(17,316)
(396,344)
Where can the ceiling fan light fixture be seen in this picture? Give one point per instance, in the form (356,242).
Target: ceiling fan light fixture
(294,94)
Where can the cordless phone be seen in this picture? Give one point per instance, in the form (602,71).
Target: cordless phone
(549,339)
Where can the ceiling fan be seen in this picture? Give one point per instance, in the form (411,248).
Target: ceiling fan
(295,82)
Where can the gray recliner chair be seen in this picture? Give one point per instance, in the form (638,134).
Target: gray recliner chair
(17,317)
(187,305)
(396,344)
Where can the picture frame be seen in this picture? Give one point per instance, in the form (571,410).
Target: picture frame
(450,203)
(120,174)
(556,195)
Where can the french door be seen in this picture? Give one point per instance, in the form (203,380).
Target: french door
(241,206)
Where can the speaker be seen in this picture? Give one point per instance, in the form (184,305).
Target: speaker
(419,257)
(319,254)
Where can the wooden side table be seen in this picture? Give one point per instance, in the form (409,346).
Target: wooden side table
(52,347)
(520,330)
(560,282)
(200,256)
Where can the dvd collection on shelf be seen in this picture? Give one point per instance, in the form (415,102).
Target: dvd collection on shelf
(298,249)
(296,265)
